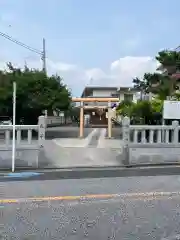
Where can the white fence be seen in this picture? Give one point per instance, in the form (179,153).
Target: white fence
(147,144)
(27,146)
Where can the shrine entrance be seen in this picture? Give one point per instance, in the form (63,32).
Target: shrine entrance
(99,113)
(98,116)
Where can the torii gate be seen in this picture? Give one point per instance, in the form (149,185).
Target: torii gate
(82,107)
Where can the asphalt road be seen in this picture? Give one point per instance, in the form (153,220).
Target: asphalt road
(142,208)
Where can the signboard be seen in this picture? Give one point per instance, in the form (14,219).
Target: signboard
(114,105)
(171,110)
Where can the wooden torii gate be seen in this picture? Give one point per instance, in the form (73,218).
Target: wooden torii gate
(96,100)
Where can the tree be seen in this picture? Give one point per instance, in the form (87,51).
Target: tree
(125,108)
(35,92)
(140,85)
(161,85)
(170,61)
(149,83)
(158,84)
(157,105)
(155,83)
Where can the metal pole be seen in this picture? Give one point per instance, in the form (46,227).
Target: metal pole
(14,128)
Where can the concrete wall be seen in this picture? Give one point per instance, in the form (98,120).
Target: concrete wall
(103,93)
(121,96)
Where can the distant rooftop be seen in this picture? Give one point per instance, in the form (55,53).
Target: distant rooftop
(89,89)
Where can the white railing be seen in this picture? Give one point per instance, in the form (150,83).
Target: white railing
(149,137)
(6,134)
(27,146)
(153,134)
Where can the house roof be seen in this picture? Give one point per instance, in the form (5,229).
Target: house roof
(88,90)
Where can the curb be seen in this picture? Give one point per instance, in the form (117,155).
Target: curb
(82,173)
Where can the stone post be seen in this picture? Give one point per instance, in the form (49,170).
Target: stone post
(42,130)
(126,139)
(175,125)
(109,121)
(81,129)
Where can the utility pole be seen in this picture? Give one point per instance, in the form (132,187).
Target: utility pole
(41,53)
(44,55)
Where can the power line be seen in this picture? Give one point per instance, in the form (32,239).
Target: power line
(20,43)
(41,53)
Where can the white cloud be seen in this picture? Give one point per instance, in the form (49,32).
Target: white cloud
(126,68)
(120,72)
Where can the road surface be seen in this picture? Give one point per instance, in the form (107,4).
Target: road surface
(113,208)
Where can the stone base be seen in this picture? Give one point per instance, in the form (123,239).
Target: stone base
(154,155)
(24,158)
(57,156)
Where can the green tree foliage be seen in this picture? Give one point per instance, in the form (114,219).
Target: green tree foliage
(159,84)
(125,108)
(142,112)
(169,60)
(155,83)
(35,92)
(157,105)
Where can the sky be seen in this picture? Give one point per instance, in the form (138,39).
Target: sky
(90,42)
